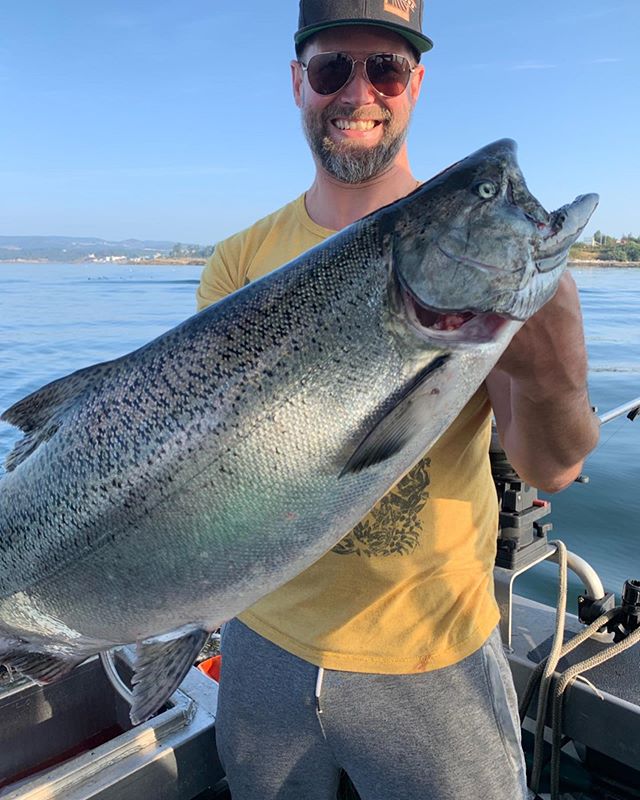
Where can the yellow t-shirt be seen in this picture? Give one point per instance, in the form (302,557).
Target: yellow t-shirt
(410,588)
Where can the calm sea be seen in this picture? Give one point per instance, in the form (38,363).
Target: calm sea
(57,318)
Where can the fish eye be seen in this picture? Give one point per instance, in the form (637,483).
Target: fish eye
(486,189)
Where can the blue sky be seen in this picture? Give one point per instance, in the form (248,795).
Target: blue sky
(166,120)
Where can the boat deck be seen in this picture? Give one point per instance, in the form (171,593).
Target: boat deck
(72,740)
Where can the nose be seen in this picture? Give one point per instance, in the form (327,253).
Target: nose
(358,92)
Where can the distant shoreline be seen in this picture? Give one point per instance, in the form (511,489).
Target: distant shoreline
(199,262)
(167,262)
(593,263)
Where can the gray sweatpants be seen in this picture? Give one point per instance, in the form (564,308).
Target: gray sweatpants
(449,734)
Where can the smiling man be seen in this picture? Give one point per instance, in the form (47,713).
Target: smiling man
(383,658)
(354,140)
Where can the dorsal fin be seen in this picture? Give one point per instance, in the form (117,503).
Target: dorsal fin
(40,414)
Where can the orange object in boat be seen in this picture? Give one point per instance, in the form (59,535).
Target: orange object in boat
(211,668)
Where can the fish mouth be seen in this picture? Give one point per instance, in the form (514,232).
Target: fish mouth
(562,230)
(462,325)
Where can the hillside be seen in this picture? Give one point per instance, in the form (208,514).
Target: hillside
(71,249)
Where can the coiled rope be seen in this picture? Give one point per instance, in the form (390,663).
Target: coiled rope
(564,681)
(545,670)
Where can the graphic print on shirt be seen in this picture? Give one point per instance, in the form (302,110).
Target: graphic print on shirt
(392,527)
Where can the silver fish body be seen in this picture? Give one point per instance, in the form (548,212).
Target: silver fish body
(157,495)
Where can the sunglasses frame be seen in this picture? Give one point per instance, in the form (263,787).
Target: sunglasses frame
(354,61)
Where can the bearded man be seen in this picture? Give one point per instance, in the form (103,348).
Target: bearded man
(383,658)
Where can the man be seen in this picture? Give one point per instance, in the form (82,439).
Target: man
(383,658)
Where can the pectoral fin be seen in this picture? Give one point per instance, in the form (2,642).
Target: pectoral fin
(396,428)
(160,667)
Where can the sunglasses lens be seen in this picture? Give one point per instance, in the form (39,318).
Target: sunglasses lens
(388,73)
(328,72)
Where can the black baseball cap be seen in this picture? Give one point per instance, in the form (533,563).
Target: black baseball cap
(403,17)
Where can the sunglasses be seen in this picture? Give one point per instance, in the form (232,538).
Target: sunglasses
(388,73)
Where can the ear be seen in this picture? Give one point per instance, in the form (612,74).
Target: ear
(416,82)
(297,78)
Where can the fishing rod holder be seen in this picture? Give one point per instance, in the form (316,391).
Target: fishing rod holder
(590,608)
(625,621)
(629,618)
(522,537)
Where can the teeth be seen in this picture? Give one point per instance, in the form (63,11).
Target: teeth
(354,125)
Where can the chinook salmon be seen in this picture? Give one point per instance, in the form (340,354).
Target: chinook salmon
(154,496)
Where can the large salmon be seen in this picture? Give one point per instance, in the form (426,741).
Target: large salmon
(157,495)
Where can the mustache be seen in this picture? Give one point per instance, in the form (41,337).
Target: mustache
(375,113)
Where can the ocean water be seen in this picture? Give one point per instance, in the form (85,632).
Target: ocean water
(56,318)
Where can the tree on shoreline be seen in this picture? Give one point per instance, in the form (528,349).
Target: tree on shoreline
(191,251)
(607,248)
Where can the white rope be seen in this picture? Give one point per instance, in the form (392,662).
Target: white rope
(564,681)
(545,670)
(570,645)
(550,666)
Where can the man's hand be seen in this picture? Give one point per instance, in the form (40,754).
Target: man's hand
(552,338)
(538,391)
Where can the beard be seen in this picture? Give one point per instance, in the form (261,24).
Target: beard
(350,162)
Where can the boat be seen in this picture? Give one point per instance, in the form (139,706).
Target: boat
(581,735)
(72,740)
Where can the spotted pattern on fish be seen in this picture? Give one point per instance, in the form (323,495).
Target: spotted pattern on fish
(161,493)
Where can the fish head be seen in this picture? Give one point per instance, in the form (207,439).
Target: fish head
(473,248)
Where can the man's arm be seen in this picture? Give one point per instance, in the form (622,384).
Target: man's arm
(538,391)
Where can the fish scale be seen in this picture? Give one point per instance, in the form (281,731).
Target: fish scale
(157,495)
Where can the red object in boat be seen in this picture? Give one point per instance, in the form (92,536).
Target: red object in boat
(211,667)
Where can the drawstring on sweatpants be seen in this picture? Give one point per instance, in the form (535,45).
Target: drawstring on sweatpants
(319,680)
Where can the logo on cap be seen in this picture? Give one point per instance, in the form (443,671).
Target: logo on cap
(401,8)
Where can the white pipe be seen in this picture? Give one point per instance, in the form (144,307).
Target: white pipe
(586,573)
(592,583)
(109,665)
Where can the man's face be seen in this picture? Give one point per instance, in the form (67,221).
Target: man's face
(356,133)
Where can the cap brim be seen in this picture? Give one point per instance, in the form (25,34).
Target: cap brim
(421,42)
